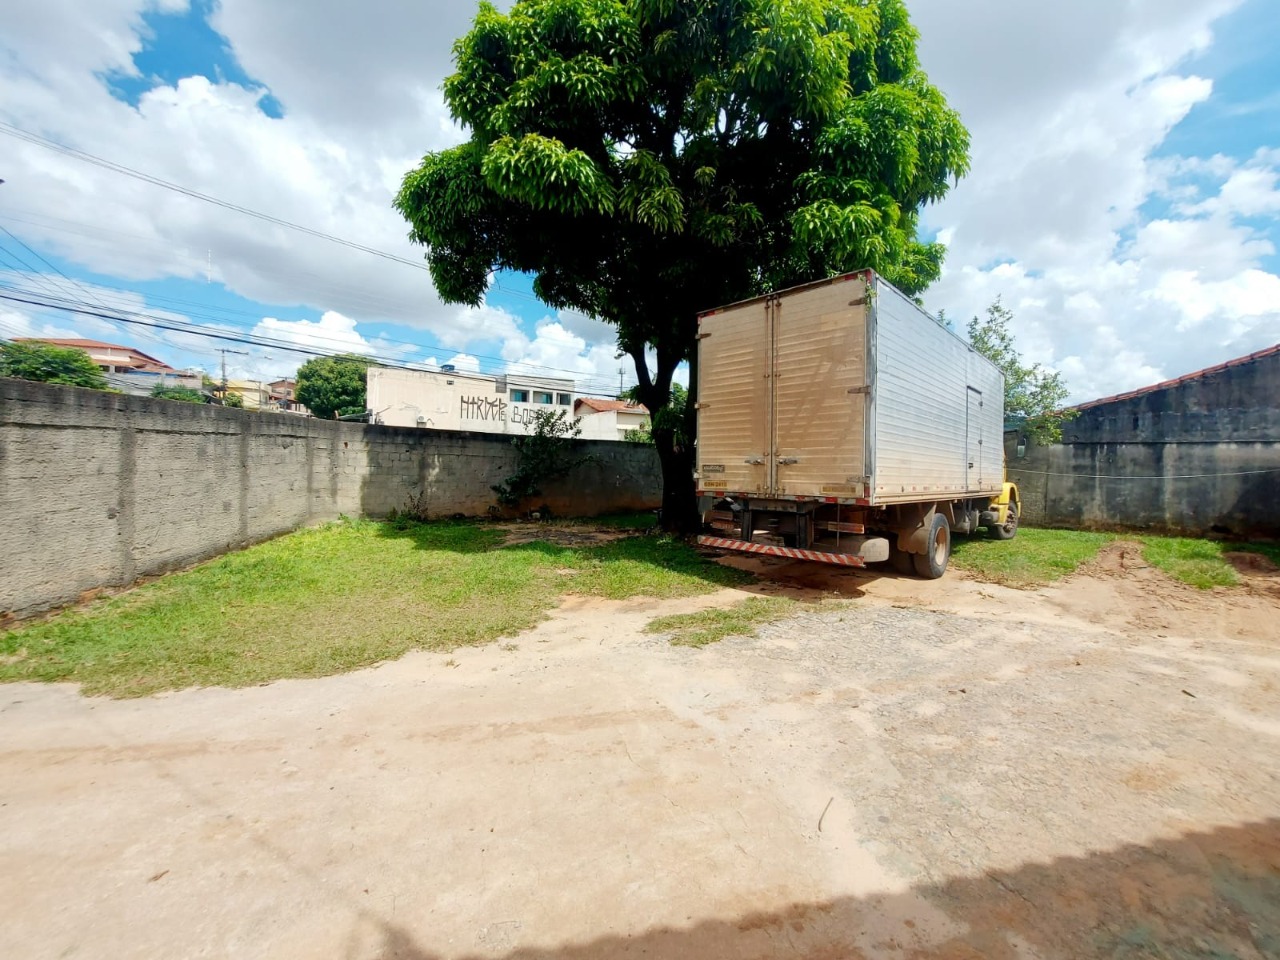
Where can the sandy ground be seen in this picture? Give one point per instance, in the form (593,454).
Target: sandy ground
(911,770)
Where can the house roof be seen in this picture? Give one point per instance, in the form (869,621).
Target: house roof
(1166,384)
(148,362)
(601,405)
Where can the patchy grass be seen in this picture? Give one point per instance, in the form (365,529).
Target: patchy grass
(648,567)
(1038,556)
(332,599)
(1201,563)
(1269,550)
(1032,558)
(639,521)
(710,626)
(1197,562)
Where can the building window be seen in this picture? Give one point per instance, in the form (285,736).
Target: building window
(519,396)
(540,397)
(564,399)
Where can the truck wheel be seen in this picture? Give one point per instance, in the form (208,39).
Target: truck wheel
(1009,529)
(933,562)
(899,559)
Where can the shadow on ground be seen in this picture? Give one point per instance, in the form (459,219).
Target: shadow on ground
(1201,895)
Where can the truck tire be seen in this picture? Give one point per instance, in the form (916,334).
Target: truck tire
(933,562)
(899,559)
(1009,529)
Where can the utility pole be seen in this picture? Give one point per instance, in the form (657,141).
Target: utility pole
(224,351)
(620,369)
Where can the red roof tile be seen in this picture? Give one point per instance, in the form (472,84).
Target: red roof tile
(1165,384)
(149,363)
(601,405)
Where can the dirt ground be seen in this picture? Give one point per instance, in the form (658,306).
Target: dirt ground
(909,770)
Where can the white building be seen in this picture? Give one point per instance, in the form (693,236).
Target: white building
(611,419)
(453,400)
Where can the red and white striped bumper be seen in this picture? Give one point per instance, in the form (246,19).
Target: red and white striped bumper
(819,556)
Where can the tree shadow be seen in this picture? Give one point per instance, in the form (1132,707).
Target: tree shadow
(1212,894)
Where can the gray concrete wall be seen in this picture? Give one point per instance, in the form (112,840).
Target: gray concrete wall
(1198,456)
(98,489)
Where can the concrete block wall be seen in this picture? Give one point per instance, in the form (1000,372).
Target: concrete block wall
(1197,456)
(98,489)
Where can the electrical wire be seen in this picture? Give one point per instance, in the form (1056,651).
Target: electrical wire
(161,323)
(10,130)
(1112,476)
(594,383)
(47,143)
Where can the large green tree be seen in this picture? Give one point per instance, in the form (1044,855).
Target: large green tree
(31,360)
(1033,395)
(333,386)
(648,159)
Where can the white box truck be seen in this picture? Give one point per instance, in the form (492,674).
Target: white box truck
(839,422)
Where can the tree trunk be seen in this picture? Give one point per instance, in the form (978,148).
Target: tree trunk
(679,500)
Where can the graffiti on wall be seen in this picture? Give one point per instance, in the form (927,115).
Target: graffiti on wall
(526,416)
(484,408)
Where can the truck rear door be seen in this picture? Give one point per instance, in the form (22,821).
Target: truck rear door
(734,452)
(819,390)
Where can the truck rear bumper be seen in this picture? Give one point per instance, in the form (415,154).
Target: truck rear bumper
(818,556)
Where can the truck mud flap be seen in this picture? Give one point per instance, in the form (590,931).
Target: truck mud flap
(819,556)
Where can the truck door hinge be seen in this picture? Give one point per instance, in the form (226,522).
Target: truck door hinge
(864,390)
(754,461)
(857,303)
(703,335)
(787,461)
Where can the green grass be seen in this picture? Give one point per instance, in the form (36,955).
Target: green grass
(1032,558)
(710,626)
(1201,563)
(1038,556)
(642,520)
(332,599)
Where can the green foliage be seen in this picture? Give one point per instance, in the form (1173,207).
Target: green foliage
(182,394)
(647,159)
(50,364)
(1032,394)
(544,454)
(671,418)
(333,386)
(233,400)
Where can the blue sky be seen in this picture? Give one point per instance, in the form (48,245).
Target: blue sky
(1123,198)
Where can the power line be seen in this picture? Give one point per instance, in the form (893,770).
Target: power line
(12,131)
(599,383)
(272,343)
(150,321)
(1112,476)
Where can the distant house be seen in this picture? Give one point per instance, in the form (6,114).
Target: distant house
(611,419)
(450,399)
(126,368)
(283,394)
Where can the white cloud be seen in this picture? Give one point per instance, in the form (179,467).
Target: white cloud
(332,167)
(464,362)
(1067,105)
(332,333)
(555,351)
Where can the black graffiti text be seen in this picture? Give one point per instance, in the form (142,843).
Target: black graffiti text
(483,408)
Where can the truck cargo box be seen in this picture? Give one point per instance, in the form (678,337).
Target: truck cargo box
(844,391)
